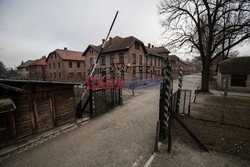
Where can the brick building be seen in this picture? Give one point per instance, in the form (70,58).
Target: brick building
(66,65)
(155,61)
(38,69)
(129,54)
(23,70)
(126,53)
(175,65)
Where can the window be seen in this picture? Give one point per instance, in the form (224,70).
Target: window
(54,75)
(155,61)
(159,61)
(134,73)
(91,51)
(49,65)
(134,59)
(50,74)
(59,65)
(52,56)
(71,75)
(91,61)
(151,60)
(239,80)
(70,64)
(140,74)
(146,60)
(151,74)
(137,46)
(54,65)
(121,58)
(55,56)
(140,60)
(103,60)
(104,76)
(111,59)
(78,74)
(59,75)
(78,65)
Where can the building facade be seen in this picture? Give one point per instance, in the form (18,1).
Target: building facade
(38,69)
(23,69)
(235,73)
(35,107)
(130,56)
(66,65)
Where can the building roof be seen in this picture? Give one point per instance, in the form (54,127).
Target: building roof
(151,51)
(68,55)
(237,65)
(11,88)
(39,62)
(26,64)
(174,57)
(159,50)
(6,105)
(115,44)
(37,81)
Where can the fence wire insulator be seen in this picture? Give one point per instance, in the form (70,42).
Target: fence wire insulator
(179,89)
(166,99)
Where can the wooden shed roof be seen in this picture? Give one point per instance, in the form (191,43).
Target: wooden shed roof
(237,65)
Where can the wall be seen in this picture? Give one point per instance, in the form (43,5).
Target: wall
(39,108)
(55,70)
(221,83)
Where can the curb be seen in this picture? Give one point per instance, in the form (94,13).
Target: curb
(7,152)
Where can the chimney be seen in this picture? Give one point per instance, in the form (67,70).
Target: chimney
(103,40)
(44,57)
(110,40)
(149,44)
(65,48)
(22,62)
(152,46)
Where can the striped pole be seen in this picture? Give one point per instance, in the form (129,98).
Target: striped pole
(179,89)
(164,112)
(92,102)
(166,99)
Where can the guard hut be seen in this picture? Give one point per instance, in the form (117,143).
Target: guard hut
(235,72)
(28,108)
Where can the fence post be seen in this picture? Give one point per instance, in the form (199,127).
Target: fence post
(224,102)
(179,89)
(91,103)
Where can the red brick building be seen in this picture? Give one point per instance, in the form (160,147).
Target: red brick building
(155,61)
(130,54)
(66,65)
(38,69)
(23,69)
(126,53)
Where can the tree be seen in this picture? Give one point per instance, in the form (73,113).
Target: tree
(2,69)
(210,27)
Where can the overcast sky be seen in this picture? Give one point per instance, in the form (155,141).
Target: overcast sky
(30,29)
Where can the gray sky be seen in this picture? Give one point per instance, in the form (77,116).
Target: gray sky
(30,29)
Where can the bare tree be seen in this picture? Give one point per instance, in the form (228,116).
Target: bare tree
(2,69)
(211,27)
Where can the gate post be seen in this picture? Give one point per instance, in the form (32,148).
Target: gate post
(165,102)
(179,89)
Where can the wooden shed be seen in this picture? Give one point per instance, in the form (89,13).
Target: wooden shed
(32,107)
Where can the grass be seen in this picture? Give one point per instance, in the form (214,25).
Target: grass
(235,101)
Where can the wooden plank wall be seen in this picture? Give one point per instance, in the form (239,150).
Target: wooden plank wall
(64,101)
(41,107)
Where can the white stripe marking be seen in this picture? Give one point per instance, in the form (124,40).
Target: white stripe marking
(151,157)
